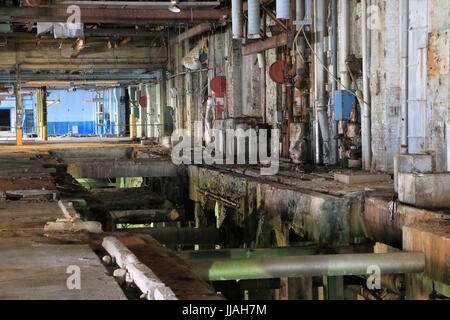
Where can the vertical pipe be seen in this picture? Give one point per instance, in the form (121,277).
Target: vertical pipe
(334,142)
(283,8)
(236,18)
(254,21)
(314,91)
(365,125)
(321,76)
(404,17)
(344,43)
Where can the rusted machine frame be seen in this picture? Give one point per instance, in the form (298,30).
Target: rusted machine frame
(279,40)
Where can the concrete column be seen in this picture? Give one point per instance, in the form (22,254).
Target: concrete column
(234,72)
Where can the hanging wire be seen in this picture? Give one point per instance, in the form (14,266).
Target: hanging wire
(323,65)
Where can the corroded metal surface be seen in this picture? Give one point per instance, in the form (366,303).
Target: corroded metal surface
(434,240)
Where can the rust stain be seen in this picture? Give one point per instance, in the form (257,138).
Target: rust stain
(436,65)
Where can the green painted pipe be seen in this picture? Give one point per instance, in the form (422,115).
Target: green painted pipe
(249,253)
(302,249)
(308,266)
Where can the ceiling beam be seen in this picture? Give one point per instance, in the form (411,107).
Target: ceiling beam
(133,4)
(191,32)
(103,32)
(113,15)
(83,66)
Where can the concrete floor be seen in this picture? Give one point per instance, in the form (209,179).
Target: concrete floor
(31,269)
(32,264)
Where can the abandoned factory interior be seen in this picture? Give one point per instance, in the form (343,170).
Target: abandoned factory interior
(224,150)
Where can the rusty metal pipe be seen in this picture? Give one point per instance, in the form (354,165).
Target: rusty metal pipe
(308,266)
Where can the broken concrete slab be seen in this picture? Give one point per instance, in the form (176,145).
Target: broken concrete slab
(425,190)
(73,226)
(123,168)
(68,210)
(127,198)
(120,274)
(150,285)
(353,178)
(419,163)
(93,153)
(383,219)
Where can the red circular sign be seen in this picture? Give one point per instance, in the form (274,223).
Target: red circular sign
(143,101)
(276,71)
(219,84)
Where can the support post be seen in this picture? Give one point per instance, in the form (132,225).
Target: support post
(44,114)
(19,111)
(162,101)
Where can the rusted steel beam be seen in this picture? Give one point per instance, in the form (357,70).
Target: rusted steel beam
(274,18)
(270,43)
(113,15)
(198,29)
(83,66)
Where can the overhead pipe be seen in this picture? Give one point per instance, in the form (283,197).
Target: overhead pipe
(236,19)
(308,266)
(365,123)
(404,18)
(283,8)
(320,16)
(254,19)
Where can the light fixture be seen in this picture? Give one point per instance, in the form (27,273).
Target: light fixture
(174,6)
